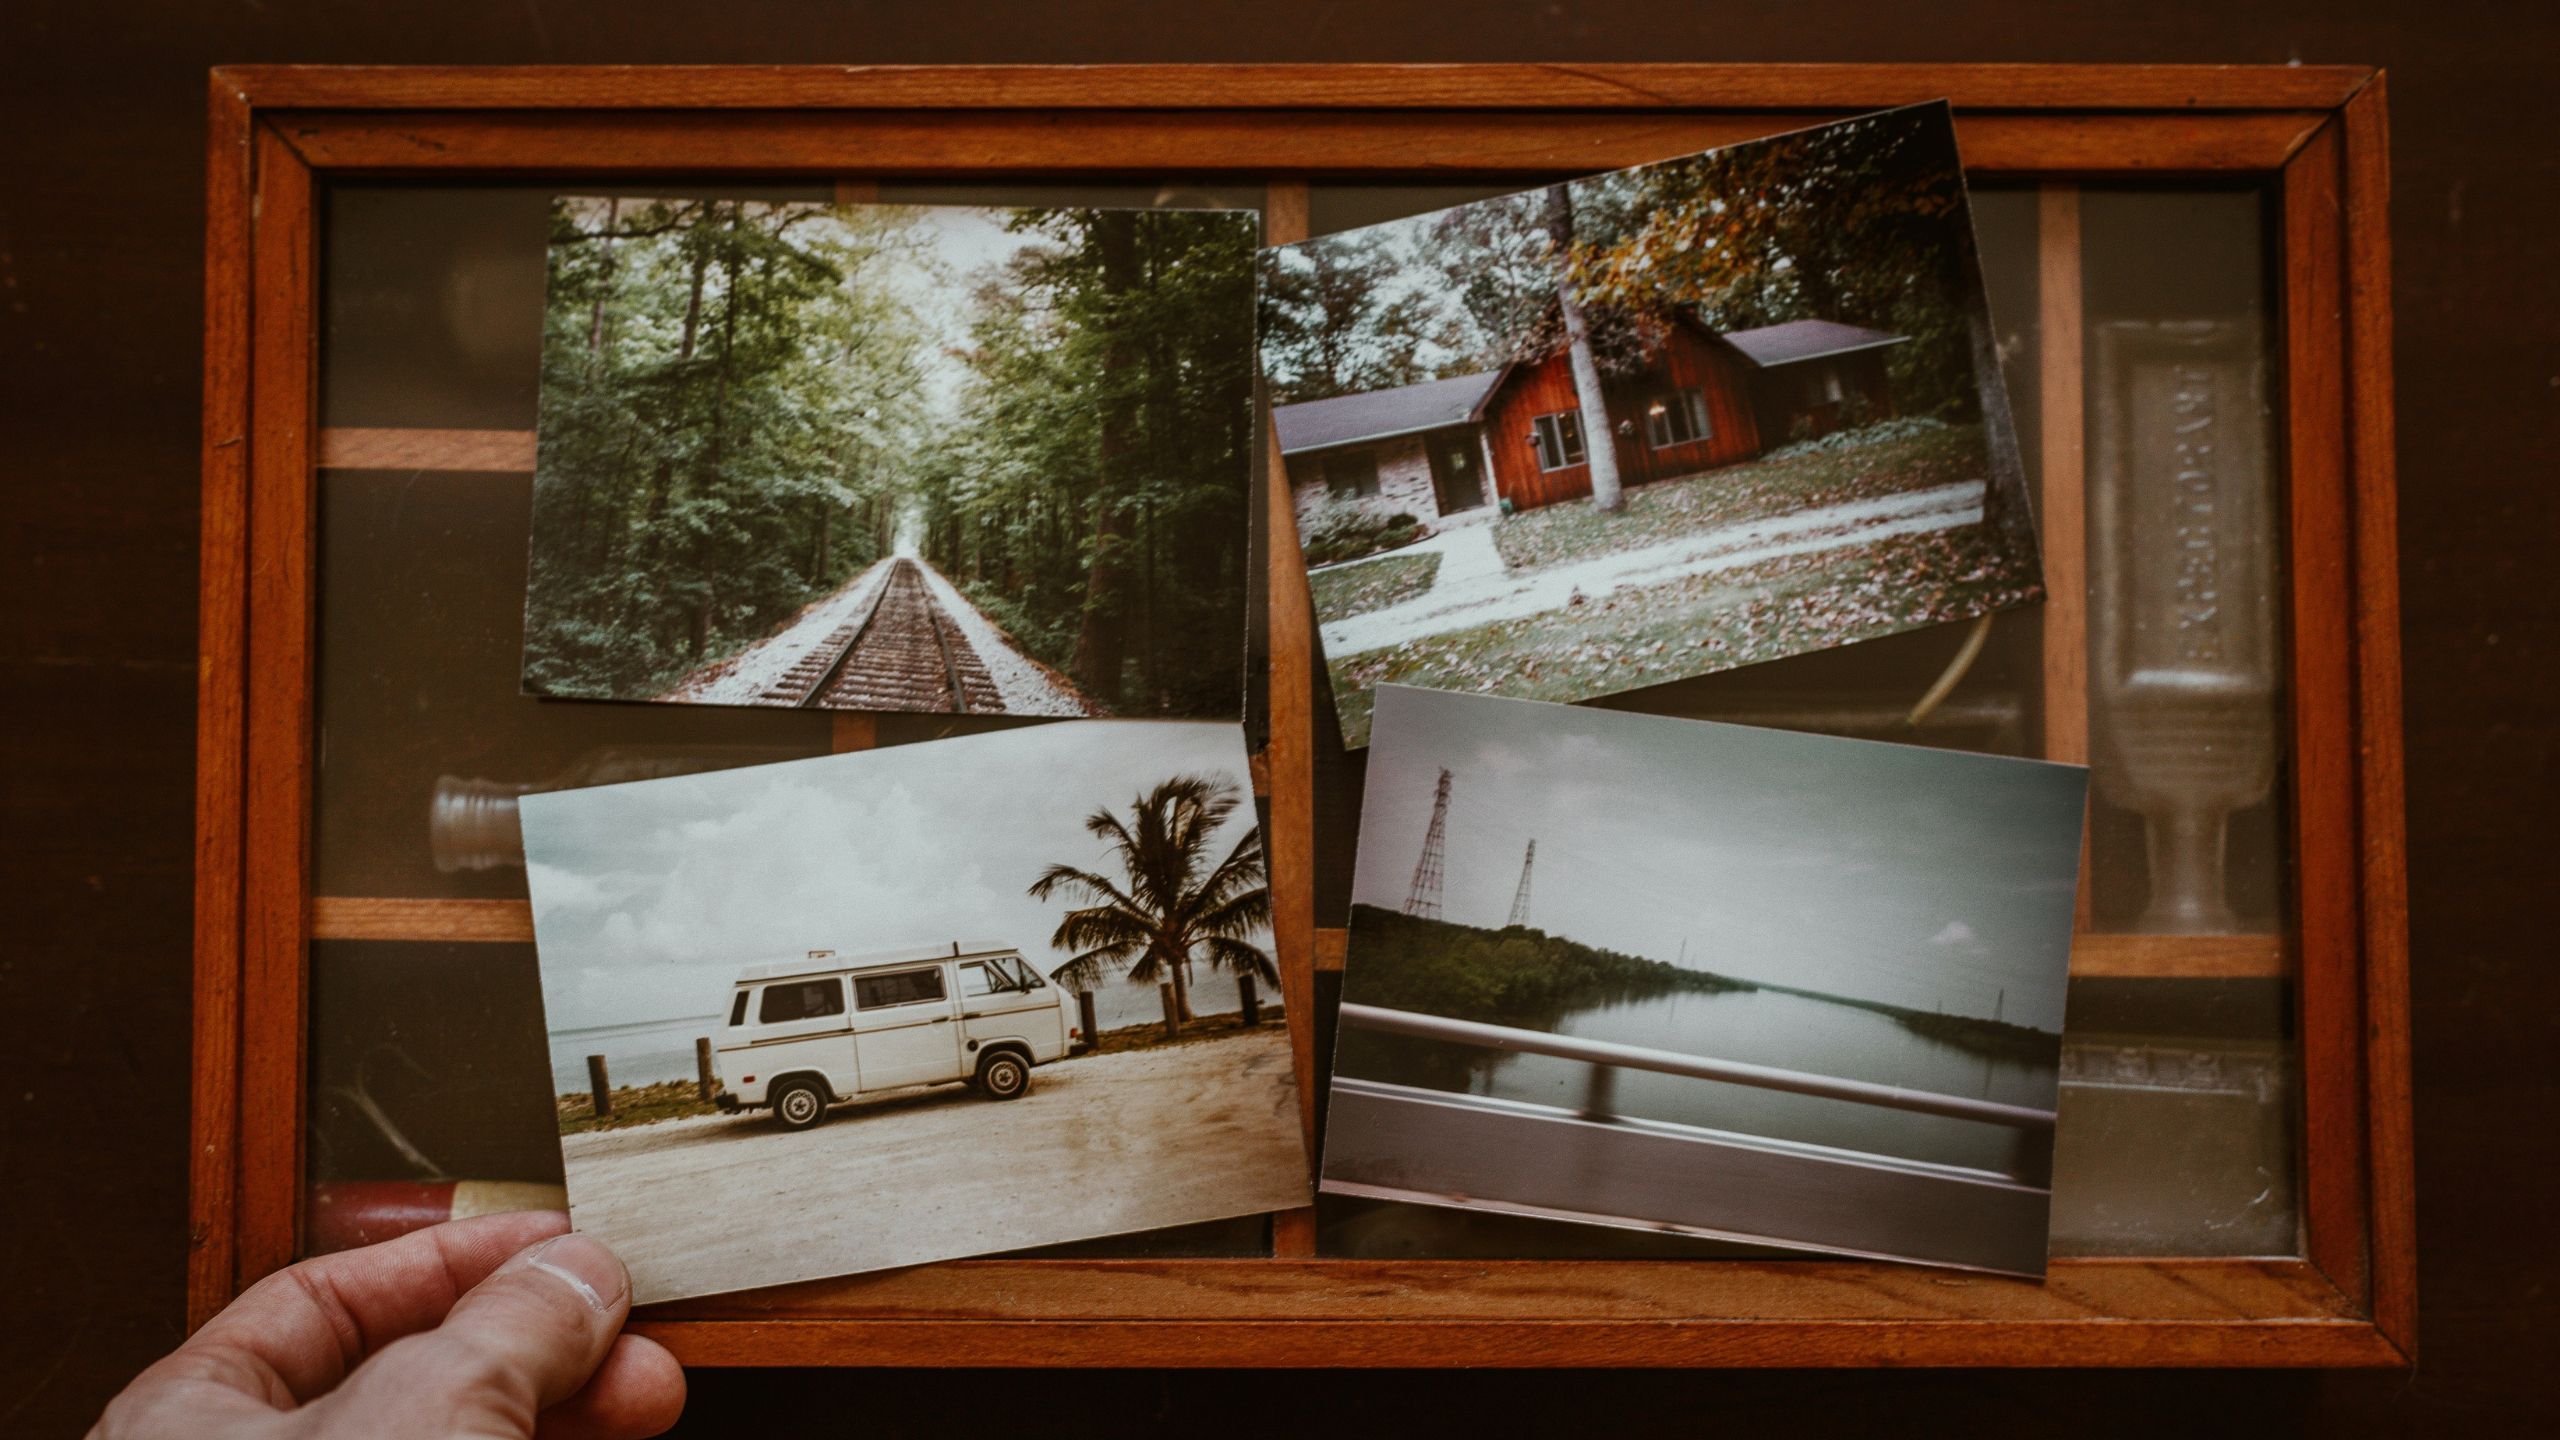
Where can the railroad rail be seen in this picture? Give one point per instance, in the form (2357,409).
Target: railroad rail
(903,653)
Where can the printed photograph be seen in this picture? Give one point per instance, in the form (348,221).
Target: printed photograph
(1639,427)
(1707,980)
(894,458)
(909,1004)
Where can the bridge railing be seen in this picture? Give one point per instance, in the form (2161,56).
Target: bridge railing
(1670,1062)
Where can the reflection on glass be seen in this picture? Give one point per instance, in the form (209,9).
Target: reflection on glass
(2182,631)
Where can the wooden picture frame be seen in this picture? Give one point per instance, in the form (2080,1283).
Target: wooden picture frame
(2315,136)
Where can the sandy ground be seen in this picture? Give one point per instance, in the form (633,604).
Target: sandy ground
(1466,602)
(1102,1145)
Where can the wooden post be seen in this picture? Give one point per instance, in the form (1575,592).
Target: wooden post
(1172,1012)
(1252,999)
(1085,1013)
(702,1076)
(599,1084)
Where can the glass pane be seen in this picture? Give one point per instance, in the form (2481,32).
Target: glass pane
(427,1059)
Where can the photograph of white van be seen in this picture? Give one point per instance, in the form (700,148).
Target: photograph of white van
(801,1035)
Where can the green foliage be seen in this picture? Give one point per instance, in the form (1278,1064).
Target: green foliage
(1337,530)
(1335,320)
(1092,497)
(1862,223)
(1514,976)
(724,407)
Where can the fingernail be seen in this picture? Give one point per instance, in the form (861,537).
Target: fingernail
(583,1264)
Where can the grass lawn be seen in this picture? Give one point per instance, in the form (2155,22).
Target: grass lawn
(1651,636)
(1736,494)
(1372,585)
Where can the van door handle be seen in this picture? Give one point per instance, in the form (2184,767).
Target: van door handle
(941,1019)
(973,1014)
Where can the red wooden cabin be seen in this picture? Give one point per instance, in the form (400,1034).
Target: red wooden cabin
(1704,399)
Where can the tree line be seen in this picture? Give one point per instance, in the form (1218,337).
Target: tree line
(724,424)
(1092,496)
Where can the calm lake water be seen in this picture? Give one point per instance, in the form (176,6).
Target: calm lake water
(656,1050)
(1787,1031)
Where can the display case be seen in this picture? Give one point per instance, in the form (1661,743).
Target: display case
(2188,273)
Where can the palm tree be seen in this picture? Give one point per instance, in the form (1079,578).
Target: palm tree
(1173,906)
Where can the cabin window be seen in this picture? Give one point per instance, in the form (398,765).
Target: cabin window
(738,1009)
(1679,418)
(980,977)
(1822,384)
(1558,438)
(1351,473)
(801,1000)
(905,987)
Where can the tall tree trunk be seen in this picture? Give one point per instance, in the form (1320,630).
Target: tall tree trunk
(1179,969)
(2004,490)
(1102,635)
(604,292)
(1599,441)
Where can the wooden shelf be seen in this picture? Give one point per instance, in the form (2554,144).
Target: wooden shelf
(488,452)
(2093,956)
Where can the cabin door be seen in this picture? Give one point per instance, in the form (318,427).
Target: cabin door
(1457,471)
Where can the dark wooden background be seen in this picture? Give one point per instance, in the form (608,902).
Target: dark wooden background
(101,192)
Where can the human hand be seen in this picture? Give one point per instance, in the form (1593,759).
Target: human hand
(499,1326)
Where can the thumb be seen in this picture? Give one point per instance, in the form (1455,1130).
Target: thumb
(517,1343)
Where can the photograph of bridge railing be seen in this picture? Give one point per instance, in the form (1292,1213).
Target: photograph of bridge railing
(1774,988)
(946,459)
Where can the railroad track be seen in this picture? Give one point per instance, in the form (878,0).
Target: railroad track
(904,653)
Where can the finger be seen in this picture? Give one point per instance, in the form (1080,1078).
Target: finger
(295,1334)
(637,1391)
(521,1341)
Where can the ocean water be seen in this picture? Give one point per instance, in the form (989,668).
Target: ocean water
(648,1052)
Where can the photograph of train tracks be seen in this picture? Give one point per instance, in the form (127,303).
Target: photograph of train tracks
(1706,980)
(847,1013)
(1624,430)
(893,458)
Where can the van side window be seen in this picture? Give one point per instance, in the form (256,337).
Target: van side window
(904,987)
(979,978)
(801,1000)
(1023,975)
(738,1009)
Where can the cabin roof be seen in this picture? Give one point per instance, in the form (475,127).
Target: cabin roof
(830,963)
(1380,414)
(1806,340)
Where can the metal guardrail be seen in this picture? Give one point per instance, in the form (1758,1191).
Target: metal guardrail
(1637,1057)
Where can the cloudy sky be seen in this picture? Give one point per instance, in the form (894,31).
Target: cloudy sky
(1886,872)
(648,898)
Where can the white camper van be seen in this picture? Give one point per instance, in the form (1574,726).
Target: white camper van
(804,1034)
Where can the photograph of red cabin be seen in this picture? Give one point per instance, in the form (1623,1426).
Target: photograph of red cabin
(1627,430)
(1513,438)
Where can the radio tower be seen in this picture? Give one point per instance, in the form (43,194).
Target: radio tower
(1520,897)
(1424,899)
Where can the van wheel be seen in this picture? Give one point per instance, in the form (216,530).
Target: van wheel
(799,1104)
(1003,1076)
